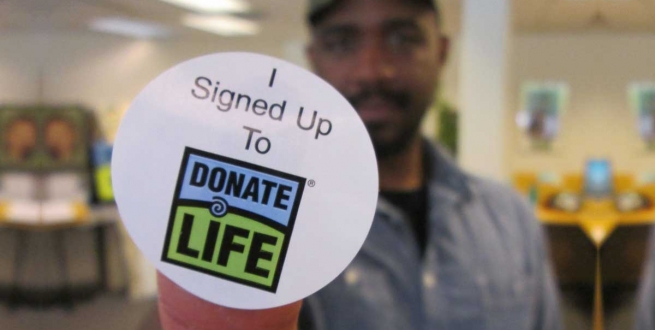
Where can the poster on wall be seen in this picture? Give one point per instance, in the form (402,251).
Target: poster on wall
(542,106)
(642,103)
(43,138)
(65,138)
(19,138)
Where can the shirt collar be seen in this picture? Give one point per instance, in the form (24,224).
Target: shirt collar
(446,180)
(447,183)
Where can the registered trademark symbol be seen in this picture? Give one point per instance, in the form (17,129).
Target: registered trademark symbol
(311,183)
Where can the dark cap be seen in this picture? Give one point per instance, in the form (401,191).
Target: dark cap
(316,8)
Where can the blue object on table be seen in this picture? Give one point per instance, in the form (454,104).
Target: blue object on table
(598,178)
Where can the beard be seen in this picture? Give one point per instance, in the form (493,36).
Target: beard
(391,138)
(386,148)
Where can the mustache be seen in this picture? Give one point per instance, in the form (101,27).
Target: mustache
(396,98)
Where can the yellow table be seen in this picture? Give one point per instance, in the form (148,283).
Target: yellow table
(597,219)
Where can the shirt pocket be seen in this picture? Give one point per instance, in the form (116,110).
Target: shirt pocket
(461,301)
(375,301)
(371,286)
(509,304)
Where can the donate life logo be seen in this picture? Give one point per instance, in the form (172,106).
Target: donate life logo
(232,219)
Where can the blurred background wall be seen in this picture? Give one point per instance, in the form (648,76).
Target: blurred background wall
(598,66)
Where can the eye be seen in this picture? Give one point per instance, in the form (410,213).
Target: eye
(339,43)
(404,40)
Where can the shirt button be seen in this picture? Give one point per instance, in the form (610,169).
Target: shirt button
(429,281)
(352,276)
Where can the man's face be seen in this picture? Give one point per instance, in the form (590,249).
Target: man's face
(385,57)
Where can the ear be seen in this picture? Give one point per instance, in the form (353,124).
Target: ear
(444,49)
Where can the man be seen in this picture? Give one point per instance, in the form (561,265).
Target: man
(446,250)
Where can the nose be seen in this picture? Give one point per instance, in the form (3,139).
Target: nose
(373,65)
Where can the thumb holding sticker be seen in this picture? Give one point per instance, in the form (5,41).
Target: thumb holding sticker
(180,310)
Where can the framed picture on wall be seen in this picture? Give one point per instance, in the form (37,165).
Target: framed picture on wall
(42,138)
(19,138)
(642,103)
(542,106)
(65,138)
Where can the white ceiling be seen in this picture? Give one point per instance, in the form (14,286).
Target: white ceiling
(284,18)
(278,17)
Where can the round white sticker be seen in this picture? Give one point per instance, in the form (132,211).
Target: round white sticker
(246,180)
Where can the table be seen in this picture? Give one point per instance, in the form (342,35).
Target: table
(598,219)
(100,221)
